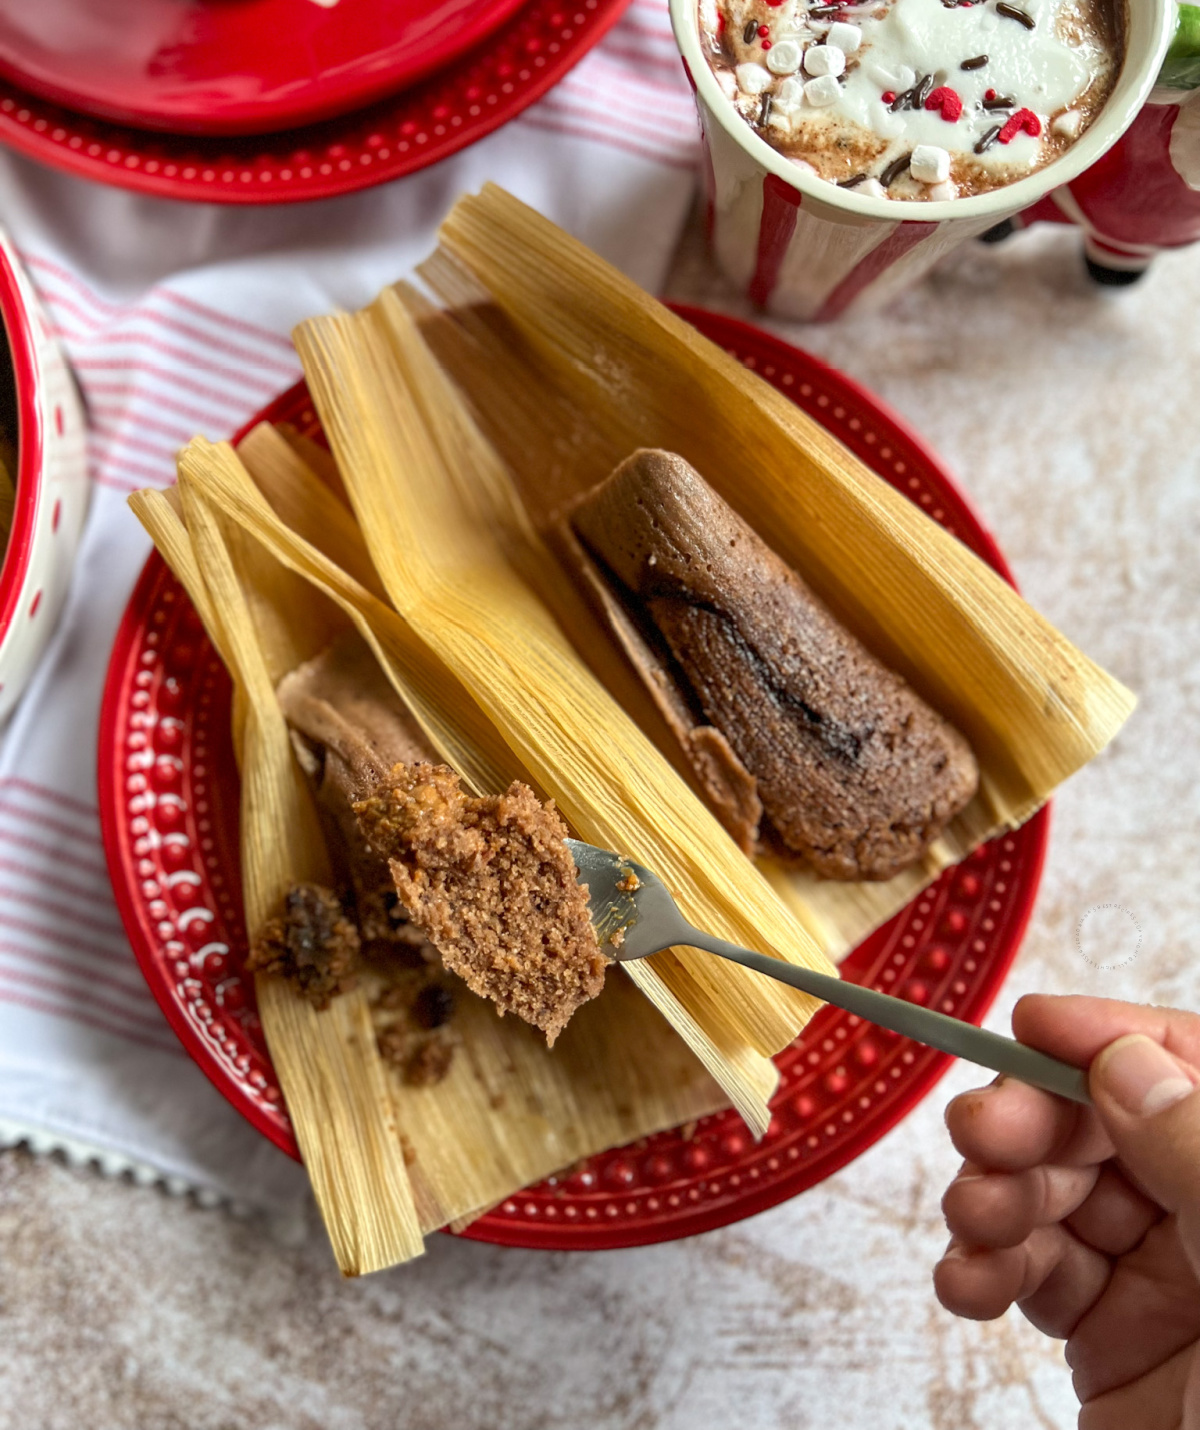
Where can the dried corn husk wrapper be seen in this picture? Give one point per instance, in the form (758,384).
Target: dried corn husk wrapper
(510,1112)
(261,619)
(569,367)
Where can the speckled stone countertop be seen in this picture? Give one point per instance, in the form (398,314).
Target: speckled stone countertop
(1063,411)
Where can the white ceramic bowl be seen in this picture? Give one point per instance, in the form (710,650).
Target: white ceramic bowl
(803,248)
(51,481)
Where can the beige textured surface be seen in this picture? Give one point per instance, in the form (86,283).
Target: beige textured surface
(1067,415)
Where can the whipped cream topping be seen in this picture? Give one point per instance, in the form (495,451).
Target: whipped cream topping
(927,98)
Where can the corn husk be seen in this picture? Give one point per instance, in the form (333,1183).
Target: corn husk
(449,538)
(328,1064)
(510,1112)
(569,367)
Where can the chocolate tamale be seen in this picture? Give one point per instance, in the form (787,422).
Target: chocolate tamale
(443,523)
(783,713)
(569,367)
(509,1111)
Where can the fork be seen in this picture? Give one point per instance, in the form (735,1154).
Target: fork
(634,915)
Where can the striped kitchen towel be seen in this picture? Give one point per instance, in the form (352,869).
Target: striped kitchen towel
(175,318)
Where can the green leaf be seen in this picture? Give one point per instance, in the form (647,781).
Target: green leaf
(1181,68)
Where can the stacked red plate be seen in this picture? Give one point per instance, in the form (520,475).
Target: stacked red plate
(268,101)
(169,799)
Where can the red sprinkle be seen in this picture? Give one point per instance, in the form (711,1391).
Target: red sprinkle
(763,31)
(991,94)
(888,96)
(945,99)
(721,22)
(1023,119)
(766,44)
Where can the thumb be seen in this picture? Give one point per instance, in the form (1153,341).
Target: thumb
(1149,1103)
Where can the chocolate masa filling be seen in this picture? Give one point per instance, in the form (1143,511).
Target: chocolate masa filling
(312,943)
(768,694)
(493,885)
(492,872)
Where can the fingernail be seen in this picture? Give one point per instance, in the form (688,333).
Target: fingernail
(956,1251)
(1141,1076)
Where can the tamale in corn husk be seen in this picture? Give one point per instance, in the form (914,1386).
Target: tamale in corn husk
(328,1064)
(509,1112)
(569,367)
(449,539)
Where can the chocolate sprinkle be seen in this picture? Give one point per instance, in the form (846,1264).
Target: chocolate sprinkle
(749,32)
(915,97)
(976,64)
(1014,12)
(852,182)
(764,112)
(895,169)
(988,139)
(1002,101)
(822,12)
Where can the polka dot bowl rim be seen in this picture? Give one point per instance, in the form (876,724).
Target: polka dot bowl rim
(843,1083)
(19,333)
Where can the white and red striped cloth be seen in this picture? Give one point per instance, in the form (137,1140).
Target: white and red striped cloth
(175,318)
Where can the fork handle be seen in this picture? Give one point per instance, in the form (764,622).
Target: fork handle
(924,1025)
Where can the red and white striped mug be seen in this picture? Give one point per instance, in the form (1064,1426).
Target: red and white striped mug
(803,248)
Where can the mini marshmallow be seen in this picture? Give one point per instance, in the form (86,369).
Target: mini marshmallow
(1068,124)
(897,80)
(941,193)
(784,57)
(789,95)
(822,91)
(824,61)
(846,38)
(752,78)
(929,164)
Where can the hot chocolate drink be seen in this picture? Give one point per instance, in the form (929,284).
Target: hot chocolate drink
(916,99)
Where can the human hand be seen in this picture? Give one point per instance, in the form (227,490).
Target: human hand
(1089,1218)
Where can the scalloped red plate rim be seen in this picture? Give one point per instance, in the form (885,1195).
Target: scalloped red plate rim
(225,169)
(294,99)
(737,336)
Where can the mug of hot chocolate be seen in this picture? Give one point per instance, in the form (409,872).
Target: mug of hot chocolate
(851,145)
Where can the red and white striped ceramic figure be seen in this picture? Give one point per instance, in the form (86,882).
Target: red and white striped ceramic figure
(1143,196)
(805,248)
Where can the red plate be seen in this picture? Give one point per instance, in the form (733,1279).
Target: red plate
(533,48)
(168,799)
(194,67)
